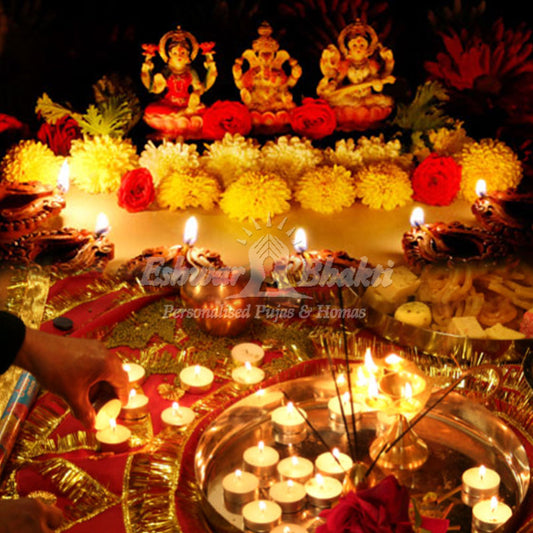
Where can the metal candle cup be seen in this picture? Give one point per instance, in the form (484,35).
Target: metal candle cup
(289,495)
(239,489)
(114,439)
(479,483)
(323,491)
(333,464)
(296,468)
(261,515)
(488,515)
(196,379)
(261,460)
(136,408)
(290,426)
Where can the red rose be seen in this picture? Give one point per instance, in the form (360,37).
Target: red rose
(224,117)
(136,190)
(207,47)
(314,119)
(383,508)
(60,135)
(436,180)
(149,50)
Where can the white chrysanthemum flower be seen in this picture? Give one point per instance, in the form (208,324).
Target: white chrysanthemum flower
(169,158)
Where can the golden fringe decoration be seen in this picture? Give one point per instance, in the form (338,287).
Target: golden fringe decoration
(87,496)
(142,431)
(80,440)
(9,488)
(40,424)
(157,360)
(170,392)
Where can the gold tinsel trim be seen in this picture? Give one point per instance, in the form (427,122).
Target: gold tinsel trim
(80,440)
(87,496)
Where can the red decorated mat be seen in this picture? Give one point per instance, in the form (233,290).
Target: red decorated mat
(152,487)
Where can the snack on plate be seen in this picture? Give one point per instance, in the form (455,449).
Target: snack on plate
(500,332)
(414,313)
(466,326)
(386,296)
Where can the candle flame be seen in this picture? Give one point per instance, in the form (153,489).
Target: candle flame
(248,366)
(126,367)
(482,471)
(190,233)
(493,503)
(290,408)
(261,392)
(393,360)
(341,380)
(417,217)
(286,529)
(294,460)
(133,393)
(262,506)
(112,424)
(290,483)
(63,179)
(175,406)
(346,398)
(238,473)
(300,241)
(319,480)
(335,452)
(481,188)
(407,391)
(102,225)
(369,362)
(261,445)
(197,370)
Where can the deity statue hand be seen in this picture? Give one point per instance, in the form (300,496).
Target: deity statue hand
(265,74)
(357,69)
(178,82)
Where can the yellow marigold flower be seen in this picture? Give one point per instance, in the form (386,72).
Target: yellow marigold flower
(290,157)
(256,195)
(179,190)
(31,161)
(232,156)
(492,161)
(98,163)
(326,190)
(345,154)
(167,158)
(384,186)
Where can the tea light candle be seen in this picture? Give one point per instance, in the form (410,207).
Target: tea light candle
(479,483)
(334,464)
(338,406)
(488,515)
(261,515)
(323,491)
(285,527)
(289,495)
(288,419)
(114,439)
(196,379)
(239,488)
(261,460)
(136,373)
(247,374)
(136,407)
(375,400)
(105,413)
(264,399)
(247,352)
(177,416)
(296,468)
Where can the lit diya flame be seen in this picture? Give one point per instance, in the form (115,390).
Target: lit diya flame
(190,233)
(370,365)
(481,188)
(63,179)
(300,241)
(102,225)
(417,217)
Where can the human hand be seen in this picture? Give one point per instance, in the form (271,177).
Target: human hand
(28,515)
(74,369)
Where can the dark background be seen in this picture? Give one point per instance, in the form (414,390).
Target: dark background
(63,47)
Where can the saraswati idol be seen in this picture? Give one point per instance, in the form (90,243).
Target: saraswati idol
(177,114)
(354,74)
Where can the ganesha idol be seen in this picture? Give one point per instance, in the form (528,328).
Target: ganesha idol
(354,74)
(265,76)
(177,114)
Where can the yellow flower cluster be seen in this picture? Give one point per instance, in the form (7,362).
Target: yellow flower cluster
(492,161)
(232,156)
(256,195)
(31,161)
(290,158)
(179,190)
(384,186)
(168,158)
(447,141)
(326,189)
(98,163)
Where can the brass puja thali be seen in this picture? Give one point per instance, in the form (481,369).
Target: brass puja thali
(459,433)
